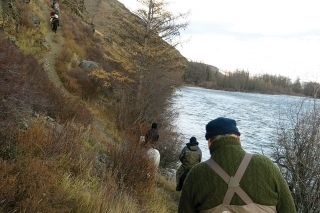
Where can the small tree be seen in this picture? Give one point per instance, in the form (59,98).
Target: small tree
(311,89)
(297,154)
(296,86)
(147,44)
(157,22)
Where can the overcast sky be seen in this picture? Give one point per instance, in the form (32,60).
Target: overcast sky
(260,36)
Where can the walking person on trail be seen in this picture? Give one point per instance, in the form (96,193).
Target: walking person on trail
(55,7)
(152,136)
(53,3)
(55,23)
(54,18)
(233,181)
(190,155)
(52,13)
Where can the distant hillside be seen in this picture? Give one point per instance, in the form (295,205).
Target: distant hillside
(105,19)
(197,73)
(102,13)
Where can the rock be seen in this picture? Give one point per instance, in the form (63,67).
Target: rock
(89,66)
(49,119)
(36,20)
(12,39)
(45,44)
(75,60)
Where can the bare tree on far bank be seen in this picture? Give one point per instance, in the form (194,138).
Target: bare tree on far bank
(210,77)
(296,152)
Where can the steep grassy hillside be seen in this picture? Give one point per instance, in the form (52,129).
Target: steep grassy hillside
(61,148)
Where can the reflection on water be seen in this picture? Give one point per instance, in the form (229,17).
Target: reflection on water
(256,115)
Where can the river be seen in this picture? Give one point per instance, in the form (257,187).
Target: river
(257,115)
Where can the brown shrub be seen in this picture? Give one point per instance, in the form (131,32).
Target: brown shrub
(25,85)
(24,15)
(32,181)
(296,152)
(169,146)
(30,185)
(86,86)
(46,139)
(24,88)
(133,167)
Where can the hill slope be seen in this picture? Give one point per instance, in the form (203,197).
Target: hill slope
(60,147)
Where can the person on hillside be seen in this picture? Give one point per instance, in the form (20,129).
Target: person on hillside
(53,3)
(233,179)
(55,7)
(55,23)
(190,155)
(52,13)
(152,136)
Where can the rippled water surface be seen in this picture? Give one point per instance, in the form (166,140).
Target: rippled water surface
(256,115)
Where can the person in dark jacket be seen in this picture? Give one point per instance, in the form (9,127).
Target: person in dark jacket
(152,136)
(256,183)
(190,155)
(55,23)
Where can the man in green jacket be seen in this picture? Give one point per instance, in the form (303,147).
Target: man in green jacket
(262,181)
(190,155)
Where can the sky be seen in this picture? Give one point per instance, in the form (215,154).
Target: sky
(277,37)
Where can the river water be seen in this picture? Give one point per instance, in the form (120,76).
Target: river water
(257,115)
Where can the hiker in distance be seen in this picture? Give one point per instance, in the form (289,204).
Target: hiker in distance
(190,155)
(54,22)
(152,136)
(233,180)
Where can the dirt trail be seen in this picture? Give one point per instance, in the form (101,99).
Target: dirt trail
(56,42)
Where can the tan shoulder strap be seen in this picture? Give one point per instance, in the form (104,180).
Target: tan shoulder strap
(233,182)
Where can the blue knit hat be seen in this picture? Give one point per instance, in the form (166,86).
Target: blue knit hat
(221,126)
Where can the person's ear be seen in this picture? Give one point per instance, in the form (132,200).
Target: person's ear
(239,139)
(209,143)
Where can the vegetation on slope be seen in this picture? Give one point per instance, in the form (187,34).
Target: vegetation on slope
(68,152)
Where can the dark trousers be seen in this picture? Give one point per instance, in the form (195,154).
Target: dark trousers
(54,26)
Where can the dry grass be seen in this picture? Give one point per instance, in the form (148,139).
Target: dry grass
(31,41)
(53,171)
(96,196)
(31,38)
(29,185)
(165,198)
(134,170)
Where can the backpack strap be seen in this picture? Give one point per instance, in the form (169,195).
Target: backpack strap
(233,182)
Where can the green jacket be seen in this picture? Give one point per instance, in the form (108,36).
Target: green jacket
(262,181)
(190,156)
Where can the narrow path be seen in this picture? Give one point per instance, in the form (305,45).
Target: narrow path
(50,57)
(56,42)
